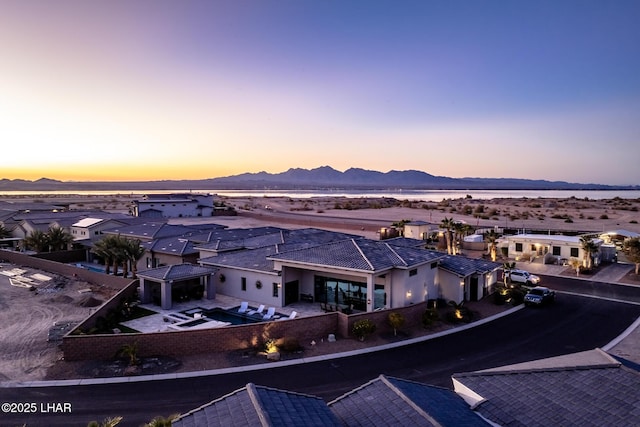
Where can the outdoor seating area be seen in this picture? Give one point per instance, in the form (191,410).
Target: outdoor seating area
(193,314)
(342,308)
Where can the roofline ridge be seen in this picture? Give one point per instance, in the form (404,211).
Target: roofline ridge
(362,253)
(263,416)
(408,401)
(396,254)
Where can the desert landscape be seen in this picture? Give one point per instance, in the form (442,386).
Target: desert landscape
(27,354)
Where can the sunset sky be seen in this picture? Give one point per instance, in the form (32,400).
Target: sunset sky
(148,90)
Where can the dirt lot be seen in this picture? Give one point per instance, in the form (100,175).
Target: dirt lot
(27,316)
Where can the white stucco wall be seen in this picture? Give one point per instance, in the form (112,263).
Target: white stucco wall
(232,286)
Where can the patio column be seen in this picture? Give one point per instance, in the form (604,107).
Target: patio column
(145,292)
(165,294)
(370,293)
(209,287)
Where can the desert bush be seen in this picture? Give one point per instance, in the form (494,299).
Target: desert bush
(288,345)
(396,321)
(430,316)
(362,328)
(604,216)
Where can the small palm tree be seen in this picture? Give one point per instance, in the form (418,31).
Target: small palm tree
(448,225)
(133,252)
(589,248)
(506,268)
(162,421)
(107,422)
(37,241)
(492,244)
(631,249)
(59,239)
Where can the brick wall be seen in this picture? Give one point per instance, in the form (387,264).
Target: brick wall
(180,343)
(412,315)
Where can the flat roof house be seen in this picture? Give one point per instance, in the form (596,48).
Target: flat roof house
(173,205)
(553,248)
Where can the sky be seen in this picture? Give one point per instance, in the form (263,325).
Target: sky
(191,89)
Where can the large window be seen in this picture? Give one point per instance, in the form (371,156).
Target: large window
(345,293)
(574,252)
(518,247)
(556,250)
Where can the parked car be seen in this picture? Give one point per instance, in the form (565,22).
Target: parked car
(524,277)
(539,296)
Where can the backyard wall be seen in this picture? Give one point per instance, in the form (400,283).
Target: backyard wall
(180,343)
(412,315)
(20,259)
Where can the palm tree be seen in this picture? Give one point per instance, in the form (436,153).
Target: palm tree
(108,422)
(36,240)
(631,249)
(4,233)
(448,225)
(507,267)
(133,252)
(59,239)
(492,244)
(589,248)
(162,421)
(103,248)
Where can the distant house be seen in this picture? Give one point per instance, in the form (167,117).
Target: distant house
(553,248)
(89,230)
(174,205)
(417,230)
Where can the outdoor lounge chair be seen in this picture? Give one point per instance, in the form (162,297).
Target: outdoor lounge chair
(244,305)
(270,312)
(259,310)
(291,316)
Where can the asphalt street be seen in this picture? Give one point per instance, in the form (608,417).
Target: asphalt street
(574,323)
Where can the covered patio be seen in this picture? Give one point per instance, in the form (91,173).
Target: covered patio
(180,282)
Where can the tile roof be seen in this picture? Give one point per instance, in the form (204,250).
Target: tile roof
(176,272)
(463,266)
(149,230)
(360,254)
(171,245)
(388,401)
(569,390)
(253,406)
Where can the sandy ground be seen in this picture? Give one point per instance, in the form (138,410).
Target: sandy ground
(28,316)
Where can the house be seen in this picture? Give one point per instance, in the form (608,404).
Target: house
(173,205)
(89,230)
(255,405)
(359,273)
(419,230)
(552,248)
(589,388)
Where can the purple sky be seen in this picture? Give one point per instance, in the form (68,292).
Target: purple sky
(198,89)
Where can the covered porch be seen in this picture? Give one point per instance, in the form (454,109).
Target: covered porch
(164,285)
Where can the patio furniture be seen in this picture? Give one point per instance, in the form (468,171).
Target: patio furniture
(270,312)
(259,310)
(291,316)
(244,306)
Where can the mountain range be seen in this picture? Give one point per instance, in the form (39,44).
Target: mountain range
(321,178)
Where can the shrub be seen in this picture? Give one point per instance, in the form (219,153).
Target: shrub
(362,328)
(430,316)
(289,345)
(604,216)
(396,321)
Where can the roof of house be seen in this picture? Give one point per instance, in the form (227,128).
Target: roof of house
(359,254)
(587,388)
(389,401)
(171,246)
(253,406)
(176,272)
(150,230)
(463,266)
(234,238)
(87,222)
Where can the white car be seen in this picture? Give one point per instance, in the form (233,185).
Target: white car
(524,277)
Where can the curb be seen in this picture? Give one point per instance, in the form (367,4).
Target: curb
(273,365)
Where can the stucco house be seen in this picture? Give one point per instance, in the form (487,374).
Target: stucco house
(418,230)
(466,279)
(551,248)
(173,205)
(89,230)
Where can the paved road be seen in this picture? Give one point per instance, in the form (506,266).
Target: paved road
(574,323)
